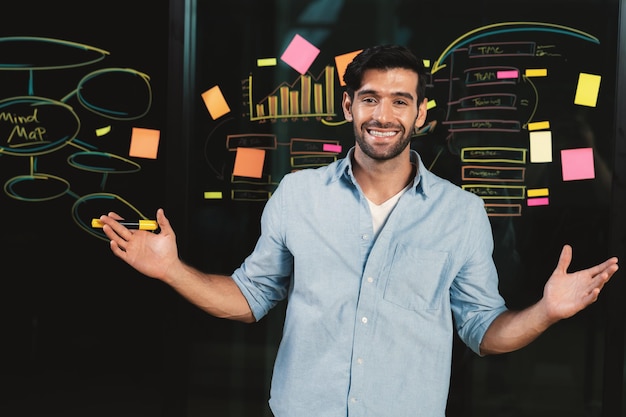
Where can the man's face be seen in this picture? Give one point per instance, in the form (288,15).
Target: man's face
(384,112)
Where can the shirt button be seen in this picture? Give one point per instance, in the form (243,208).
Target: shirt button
(364,320)
(353,400)
(359,361)
(370,279)
(365,237)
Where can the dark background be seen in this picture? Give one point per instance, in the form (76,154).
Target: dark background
(86,335)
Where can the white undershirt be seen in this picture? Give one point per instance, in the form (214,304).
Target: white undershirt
(380,212)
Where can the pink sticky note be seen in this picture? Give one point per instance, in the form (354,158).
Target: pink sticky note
(300,54)
(577,164)
(144,143)
(507,74)
(329,147)
(540,201)
(249,162)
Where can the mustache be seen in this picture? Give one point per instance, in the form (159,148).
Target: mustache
(379,125)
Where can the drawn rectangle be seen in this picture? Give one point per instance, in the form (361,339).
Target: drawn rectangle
(492,173)
(494,154)
(495,191)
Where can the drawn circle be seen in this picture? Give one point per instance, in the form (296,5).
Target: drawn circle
(32,125)
(38,187)
(116,93)
(35,53)
(102,162)
(94,205)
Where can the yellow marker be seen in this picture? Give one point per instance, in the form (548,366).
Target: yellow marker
(139,224)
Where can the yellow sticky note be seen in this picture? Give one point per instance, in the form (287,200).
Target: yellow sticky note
(538,125)
(103,131)
(249,162)
(536,72)
(537,192)
(213,195)
(541,146)
(144,143)
(266,62)
(215,102)
(587,89)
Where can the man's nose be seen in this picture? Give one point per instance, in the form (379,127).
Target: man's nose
(384,111)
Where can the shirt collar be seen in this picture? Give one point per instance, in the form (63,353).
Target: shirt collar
(421,182)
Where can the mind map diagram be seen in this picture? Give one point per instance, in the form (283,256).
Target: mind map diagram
(33,127)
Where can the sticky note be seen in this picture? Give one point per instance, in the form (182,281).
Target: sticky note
(103,131)
(266,62)
(341,63)
(538,125)
(536,72)
(215,102)
(587,90)
(144,143)
(213,195)
(249,162)
(329,147)
(300,54)
(537,192)
(541,201)
(507,74)
(541,146)
(577,164)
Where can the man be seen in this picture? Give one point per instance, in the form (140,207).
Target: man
(380,260)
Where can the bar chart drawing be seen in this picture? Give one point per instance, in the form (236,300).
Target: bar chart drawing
(307,97)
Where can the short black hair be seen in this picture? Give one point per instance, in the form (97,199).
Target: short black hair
(384,57)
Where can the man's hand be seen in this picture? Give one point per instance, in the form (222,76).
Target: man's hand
(152,254)
(565,294)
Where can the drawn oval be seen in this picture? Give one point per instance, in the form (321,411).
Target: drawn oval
(102,162)
(32,125)
(39,187)
(37,53)
(116,93)
(94,205)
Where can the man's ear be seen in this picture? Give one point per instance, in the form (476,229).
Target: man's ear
(346,104)
(422,110)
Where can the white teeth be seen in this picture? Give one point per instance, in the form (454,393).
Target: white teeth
(381,134)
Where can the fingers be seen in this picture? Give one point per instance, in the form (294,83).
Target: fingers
(117,250)
(164,223)
(565,259)
(115,216)
(605,270)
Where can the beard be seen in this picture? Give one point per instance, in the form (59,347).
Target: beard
(388,152)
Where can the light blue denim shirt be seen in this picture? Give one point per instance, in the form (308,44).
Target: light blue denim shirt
(369,323)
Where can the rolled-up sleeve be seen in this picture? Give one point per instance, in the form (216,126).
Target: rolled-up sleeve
(264,276)
(475,299)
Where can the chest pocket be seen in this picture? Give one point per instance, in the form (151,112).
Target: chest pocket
(416,278)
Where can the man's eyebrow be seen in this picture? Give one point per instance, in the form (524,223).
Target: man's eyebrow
(403,94)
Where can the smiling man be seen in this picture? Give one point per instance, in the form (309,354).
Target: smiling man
(380,260)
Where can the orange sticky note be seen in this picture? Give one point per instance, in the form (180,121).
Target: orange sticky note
(144,143)
(249,162)
(215,102)
(342,61)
